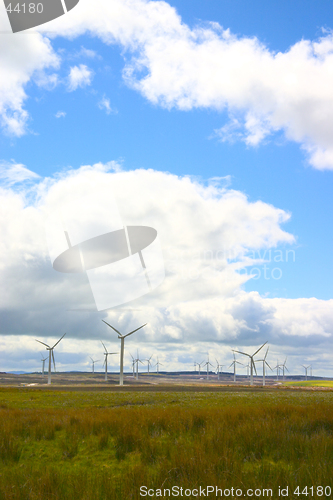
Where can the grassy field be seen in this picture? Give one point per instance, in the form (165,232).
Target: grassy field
(311,383)
(105,445)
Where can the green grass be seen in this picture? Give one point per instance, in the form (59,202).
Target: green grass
(97,445)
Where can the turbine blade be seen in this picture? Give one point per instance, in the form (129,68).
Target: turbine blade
(254,366)
(266,353)
(130,333)
(245,354)
(53,360)
(42,342)
(104,346)
(259,349)
(58,341)
(112,328)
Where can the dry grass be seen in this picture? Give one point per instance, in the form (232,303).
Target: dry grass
(96,453)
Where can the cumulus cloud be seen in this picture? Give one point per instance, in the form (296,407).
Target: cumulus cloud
(22,58)
(175,66)
(199,307)
(79,76)
(208,67)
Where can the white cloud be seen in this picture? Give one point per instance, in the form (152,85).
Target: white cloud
(22,58)
(199,307)
(13,173)
(105,105)
(204,67)
(60,114)
(208,67)
(79,76)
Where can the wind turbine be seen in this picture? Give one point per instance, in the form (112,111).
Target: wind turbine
(252,365)
(264,362)
(284,368)
(138,360)
(149,362)
(133,365)
(199,365)
(306,371)
(106,353)
(234,363)
(50,349)
(277,367)
(122,347)
(207,364)
(43,360)
(93,363)
(158,365)
(218,369)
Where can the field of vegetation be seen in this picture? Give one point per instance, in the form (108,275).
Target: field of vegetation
(311,383)
(104,445)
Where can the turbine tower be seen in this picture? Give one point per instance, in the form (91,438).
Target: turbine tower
(234,363)
(106,353)
(122,347)
(93,363)
(50,349)
(264,362)
(252,365)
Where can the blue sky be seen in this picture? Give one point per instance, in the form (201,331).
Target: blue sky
(96,93)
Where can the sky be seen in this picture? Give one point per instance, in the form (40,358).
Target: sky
(211,122)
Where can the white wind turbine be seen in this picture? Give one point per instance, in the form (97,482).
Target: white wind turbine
(138,360)
(207,364)
(122,347)
(106,354)
(149,362)
(218,369)
(43,361)
(158,365)
(252,365)
(306,371)
(234,364)
(93,363)
(133,365)
(264,362)
(284,368)
(199,365)
(277,367)
(50,349)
